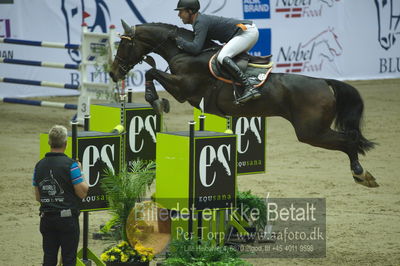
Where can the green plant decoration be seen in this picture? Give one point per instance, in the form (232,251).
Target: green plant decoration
(126,188)
(247,200)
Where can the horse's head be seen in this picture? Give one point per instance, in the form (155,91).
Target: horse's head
(137,42)
(130,52)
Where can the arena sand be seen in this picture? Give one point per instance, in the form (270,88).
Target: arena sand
(363,225)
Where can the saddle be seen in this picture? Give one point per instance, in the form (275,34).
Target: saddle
(256,68)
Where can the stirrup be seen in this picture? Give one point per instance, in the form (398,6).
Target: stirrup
(251,94)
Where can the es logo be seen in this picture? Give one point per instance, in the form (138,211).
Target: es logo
(243,127)
(95,160)
(139,127)
(212,160)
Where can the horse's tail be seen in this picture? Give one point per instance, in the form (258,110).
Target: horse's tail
(349,112)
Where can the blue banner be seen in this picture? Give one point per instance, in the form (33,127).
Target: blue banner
(256,9)
(263,45)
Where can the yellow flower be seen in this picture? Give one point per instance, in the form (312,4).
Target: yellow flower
(115,249)
(124,257)
(122,244)
(112,258)
(146,254)
(105,257)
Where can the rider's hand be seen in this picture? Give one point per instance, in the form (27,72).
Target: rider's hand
(179,42)
(172,36)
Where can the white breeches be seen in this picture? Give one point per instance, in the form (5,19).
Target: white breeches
(240,43)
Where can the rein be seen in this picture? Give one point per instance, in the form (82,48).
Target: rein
(123,64)
(126,67)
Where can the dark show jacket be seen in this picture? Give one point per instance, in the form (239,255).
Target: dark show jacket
(210,27)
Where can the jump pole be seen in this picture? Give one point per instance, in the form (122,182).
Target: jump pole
(122,97)
(202,119)
(130,94)
(191,174)
(89,57)
(86,214)
(39,103)
(86,253)
(39,83)
(39,63)
(40,44)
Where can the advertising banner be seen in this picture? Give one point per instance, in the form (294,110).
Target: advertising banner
(98,154)
(215,173)
(339,39)
(141,127)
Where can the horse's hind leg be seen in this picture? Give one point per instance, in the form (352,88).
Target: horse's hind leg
(326,138)
(360,175)
(329,139)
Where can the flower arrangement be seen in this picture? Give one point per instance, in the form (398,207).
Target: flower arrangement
(124,189)
(124,253)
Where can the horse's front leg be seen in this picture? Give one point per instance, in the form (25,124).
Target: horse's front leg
(170,82)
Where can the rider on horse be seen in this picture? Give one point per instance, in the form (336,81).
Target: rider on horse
(238,35)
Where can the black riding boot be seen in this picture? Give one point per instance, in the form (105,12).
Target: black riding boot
(238,76)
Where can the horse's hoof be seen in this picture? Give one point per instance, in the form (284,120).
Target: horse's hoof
(165,104)
(157,106)
(365,179)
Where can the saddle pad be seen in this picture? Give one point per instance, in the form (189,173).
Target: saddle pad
(256,73)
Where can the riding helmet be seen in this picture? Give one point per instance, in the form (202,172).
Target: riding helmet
(188,4)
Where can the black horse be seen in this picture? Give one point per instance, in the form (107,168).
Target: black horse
(312,105)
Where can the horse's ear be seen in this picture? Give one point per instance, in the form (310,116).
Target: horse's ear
(128,30)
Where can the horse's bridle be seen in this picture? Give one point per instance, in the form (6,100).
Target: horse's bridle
(124,65)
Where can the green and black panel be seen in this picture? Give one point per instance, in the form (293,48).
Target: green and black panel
(96,152)
(140,122)
(251,139)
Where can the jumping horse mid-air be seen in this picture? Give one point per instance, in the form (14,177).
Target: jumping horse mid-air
(311,105)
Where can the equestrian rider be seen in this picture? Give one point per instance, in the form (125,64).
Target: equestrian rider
(238,35)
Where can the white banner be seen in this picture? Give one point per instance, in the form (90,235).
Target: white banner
(357,39)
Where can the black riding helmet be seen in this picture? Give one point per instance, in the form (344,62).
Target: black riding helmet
(188,4)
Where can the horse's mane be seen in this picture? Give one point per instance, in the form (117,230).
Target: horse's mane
(181,32)
(166,26)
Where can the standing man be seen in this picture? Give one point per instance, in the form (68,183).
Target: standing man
(238,35)
(59,187)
